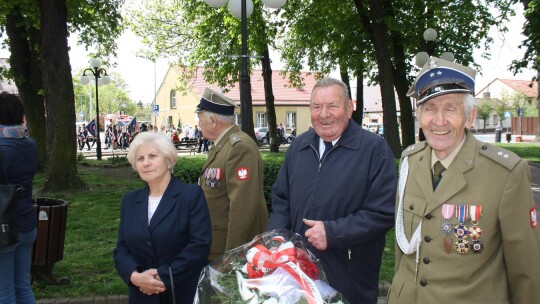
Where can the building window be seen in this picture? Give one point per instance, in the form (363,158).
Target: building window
(237,119)
(173,99)
(261,119)
(291,120)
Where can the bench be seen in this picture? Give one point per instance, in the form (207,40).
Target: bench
(190,144)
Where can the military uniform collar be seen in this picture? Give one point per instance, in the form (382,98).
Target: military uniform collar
(224,134)
(450,158)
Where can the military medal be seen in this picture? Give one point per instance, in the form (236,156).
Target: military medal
(447,213)
(476,246)
(218,177)
(213,177)
(446,227)
(461,231)
(462,213)
(207,177)
(461,246)
(475,232)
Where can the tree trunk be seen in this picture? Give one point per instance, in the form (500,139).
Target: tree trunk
(269,100)
(402,85)
(358,115)
(59,97)
(25,67)
(380,38)
(525,7)
(345,78)
(537,137)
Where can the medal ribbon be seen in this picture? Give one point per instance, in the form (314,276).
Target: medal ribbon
(447,211)
(218,174)
(462,213)
(476,212)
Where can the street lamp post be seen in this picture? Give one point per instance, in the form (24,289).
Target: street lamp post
(421,58)
(101,77)
(242,9)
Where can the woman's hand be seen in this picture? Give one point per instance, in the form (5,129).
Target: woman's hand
(148,281)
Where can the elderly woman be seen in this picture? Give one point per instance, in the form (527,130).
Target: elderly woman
(20,160)
(164,234)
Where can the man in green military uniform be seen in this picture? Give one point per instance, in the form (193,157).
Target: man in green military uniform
(231,178)
(466,224)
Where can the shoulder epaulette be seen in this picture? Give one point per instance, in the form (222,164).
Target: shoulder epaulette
(497,154)
(419,146)
(234,138)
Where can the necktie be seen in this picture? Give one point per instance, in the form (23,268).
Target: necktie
(327,146)
(438,169)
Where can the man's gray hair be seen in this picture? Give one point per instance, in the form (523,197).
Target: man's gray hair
(328,82)
(469,103)
(228,119)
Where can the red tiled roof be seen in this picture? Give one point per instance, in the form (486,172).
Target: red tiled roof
(523,86)
(284,93)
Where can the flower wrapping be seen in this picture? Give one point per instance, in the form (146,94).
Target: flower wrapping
(274,268)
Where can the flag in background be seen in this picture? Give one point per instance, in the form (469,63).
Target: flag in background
(133,125)
(92,127)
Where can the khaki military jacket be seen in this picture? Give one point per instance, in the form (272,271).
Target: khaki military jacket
(507,269)
(232,181)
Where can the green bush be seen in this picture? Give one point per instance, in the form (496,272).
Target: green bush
(114,161)
(188,169)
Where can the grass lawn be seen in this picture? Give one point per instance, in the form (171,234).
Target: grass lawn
(93,217)
(92,221)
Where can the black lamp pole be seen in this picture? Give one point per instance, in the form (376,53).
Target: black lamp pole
(97,72)
(246,112)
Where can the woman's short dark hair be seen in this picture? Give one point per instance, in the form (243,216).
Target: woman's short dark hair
(11,109)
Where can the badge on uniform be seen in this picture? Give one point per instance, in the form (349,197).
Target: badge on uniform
(475,231)
(534,218)
(446,227)
(242,173)
(460,231)
(466,239)
(212,177)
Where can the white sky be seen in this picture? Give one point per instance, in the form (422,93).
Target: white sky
(143,77)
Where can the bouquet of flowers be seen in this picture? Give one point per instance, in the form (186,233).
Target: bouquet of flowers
(274,268)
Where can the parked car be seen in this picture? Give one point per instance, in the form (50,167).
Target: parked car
(260,133)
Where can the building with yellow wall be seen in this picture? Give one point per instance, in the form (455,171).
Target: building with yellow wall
(177,101)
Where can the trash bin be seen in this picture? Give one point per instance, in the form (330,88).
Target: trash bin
(508,137)
(49,245)
(498,135)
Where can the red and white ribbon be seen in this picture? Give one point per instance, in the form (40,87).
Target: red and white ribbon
(261,261)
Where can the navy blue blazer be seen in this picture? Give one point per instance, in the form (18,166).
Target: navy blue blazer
(179,237)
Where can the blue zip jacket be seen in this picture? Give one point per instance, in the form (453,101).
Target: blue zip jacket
(352,190)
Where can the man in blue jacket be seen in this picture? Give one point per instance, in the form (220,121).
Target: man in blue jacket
(337,187)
